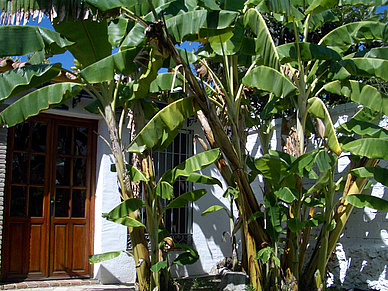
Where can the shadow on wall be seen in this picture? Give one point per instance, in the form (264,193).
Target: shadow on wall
(106,277)
(361,257)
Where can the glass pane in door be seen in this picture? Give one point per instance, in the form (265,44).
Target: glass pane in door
(62,199)
(35,201)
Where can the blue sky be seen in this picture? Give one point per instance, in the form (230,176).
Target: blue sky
(67,59)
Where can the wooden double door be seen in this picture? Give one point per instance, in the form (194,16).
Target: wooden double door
(49,192)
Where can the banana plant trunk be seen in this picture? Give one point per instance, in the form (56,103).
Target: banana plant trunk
(137,235)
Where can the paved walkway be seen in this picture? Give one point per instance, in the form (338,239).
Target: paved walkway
(93,287)
(65,285)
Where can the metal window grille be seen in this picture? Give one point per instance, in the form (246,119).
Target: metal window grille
(177,221)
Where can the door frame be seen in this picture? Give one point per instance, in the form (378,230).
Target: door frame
(45,247)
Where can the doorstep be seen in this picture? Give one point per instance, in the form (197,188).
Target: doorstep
(48,283)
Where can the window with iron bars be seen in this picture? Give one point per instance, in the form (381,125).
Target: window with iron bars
(178,222)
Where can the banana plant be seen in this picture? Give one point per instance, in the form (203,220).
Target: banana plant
(160,240)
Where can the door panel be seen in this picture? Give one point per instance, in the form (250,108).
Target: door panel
(79,236)
(16,240)
(36,258)
(60,248)
(49,198)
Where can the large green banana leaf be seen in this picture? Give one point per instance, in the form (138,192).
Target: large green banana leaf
(360,93)
(136,35)
(183,199)
(368,115)
(190,23)
(94,259)
(352,33)
(318,6)
(363,200)
(166,82)
(379,174)
(373,148)
(264,42)
(90,37)
(273,216)
(110,4)
(24,78)
(37,101)
(168,119)
(272,167)
(23,40)
(185,169)
(363,128)
(366,67)
(303,165)
(285,8)
(308,52)
(318,108)
(125,208)
(376,53)
(230,42)
(117,29)
(105,69)
(270,80)
(318,20)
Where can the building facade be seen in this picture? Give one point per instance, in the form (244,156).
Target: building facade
(56,181)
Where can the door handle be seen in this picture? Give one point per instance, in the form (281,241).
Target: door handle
(52,203)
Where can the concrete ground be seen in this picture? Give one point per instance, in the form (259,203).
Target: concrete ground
(93,287)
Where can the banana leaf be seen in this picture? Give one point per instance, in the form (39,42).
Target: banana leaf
(264,42)
(37,101)
(379,174)
(376,53)
(183,199)
(270,80)
(124,208)
(94,259)
(105,69)
(318,108)
(363,200)
(167,119)
(373,148)
(22,79)
(366,67)
(186,169)
(361,93)
(353,33)
(363,128)
(308,52)
(90,37)
(23,40)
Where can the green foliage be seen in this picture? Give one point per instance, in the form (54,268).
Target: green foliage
(165,122)
(363,200)
(36,101)
(23,40)
(257,62)
(94,259)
